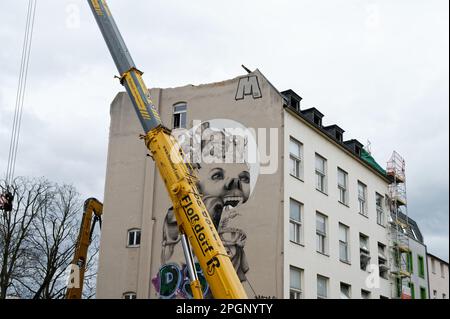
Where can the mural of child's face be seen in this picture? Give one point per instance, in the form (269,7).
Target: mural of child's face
(223,185)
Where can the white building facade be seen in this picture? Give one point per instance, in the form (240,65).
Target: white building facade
(438,277)
(307,220)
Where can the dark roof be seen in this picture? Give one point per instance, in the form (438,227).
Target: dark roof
(292,93)
(413,227)
(334,126)
(326,133)
(314,110)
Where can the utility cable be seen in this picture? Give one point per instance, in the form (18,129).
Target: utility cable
(21,89)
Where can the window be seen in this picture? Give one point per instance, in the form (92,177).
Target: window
(295,103)
(444,296)
(398,287)
(433,266)
(442,270)
(295,157)
(317,120)
(434,294)
(179,115)
(409,262)
(362,198)
(343,244)
(321,233)
(129,295)
(322,287)
(295,290)
(295,221)
(345,291)
(412,289)
(364,251)
(342,186)
(365,294)
(423,293)
(134,237)
(380,211)
(421,267)
(321,165)
(382,261)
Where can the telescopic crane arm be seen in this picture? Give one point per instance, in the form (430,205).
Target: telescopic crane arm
(192,216)
(92,214)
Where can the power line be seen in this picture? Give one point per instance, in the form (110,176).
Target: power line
(21,89)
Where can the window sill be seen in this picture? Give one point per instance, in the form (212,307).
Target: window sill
(381,225)
(133,246)
(345,262)
(296,177)
(298,244)
(320,191)
(346,205)
(323,254)
(364,215)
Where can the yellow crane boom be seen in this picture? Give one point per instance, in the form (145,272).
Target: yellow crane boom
(92,213)
(193,219)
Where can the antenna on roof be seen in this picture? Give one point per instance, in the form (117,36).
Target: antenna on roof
(368,147)
(246,69)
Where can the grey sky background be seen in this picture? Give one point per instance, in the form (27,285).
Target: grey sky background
(379,69)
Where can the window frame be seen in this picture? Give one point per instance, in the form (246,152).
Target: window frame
(362,201)
(321,175)
(421,266)
(380,209)
(296,291)
(346,244)
(297,224)
(134,231)
(343,189)
(322,235)
(181,113)
(349,287)
(382,260)
(296,159)
(365,250)
(423,292)
(326,279)
(130,294)
(367,293)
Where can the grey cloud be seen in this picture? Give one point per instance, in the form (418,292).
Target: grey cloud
(379,69)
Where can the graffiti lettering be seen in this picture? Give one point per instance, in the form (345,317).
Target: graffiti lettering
(173,282)
(248,85)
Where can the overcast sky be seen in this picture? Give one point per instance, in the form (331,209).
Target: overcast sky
(379,69)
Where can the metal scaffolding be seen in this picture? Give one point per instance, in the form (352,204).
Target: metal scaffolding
(401,258)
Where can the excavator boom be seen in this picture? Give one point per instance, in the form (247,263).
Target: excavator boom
(192,216)
(93,209)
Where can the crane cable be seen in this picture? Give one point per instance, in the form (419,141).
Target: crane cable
(21,88)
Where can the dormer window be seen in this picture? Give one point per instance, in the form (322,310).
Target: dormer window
(317,120)
(358,150)
(339,137)
(295,103)
(292,99)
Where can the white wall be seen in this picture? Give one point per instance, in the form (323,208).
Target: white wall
(306,257)
(438,281)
